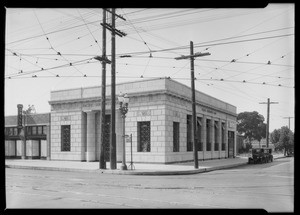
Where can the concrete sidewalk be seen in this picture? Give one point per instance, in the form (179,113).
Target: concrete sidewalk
(139,168)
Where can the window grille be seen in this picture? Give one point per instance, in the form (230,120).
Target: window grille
(200,145)
(175,136)
(208,146)
(216,146)
(189,143)
(223,146)
(65,138)
(144,136)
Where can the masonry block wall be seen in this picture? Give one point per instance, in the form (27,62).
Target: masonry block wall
(72,118)
(160,102)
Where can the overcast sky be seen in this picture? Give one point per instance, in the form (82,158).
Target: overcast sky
(50,42)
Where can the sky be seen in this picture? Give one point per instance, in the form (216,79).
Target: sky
(251,53)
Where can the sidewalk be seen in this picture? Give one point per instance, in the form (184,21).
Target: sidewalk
(139,168)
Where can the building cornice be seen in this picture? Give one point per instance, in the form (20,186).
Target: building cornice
(145,93)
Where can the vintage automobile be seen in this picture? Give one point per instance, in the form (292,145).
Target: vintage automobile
(268,157)
(260,155)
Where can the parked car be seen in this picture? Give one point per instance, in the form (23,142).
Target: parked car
(260,155)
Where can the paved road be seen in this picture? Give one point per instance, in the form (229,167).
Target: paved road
(269,186)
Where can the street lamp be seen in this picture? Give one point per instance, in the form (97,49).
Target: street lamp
(123,101)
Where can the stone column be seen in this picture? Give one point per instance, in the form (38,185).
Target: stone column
(203,135)
(212,136)
(226,139)
(220,137)
(91,137)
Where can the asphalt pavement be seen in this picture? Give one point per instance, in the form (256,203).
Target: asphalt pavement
(135,169)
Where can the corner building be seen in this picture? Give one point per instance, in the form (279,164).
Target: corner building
(159,118)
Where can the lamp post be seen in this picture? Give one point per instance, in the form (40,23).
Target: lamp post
(123,101)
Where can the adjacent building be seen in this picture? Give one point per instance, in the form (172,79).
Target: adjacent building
(159,119)
(37,137)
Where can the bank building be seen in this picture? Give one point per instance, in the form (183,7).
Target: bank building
(159,118)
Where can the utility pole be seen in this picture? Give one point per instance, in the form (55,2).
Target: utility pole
(268,118)
(289,121)
(104,60)
(114,31)
(113,158)
(194,119)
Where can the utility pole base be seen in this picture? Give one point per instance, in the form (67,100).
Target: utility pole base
(123,167)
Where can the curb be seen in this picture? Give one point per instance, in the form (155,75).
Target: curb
(126,172)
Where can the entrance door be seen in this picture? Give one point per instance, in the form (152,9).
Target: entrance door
(230,144)
(107,138)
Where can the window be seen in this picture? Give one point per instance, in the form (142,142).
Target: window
(189,143)
(15,131)
(208,139)
(175,136)
(223,136)
(216,127)
(11,132)
(65,138)
(40,130)
(44,129)
(29,130)
(144,136)
(34,130)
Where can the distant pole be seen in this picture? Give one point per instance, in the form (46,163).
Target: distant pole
(102,161)
(289,121)
(268,122)
(268,118)
(113,160)
(194,117)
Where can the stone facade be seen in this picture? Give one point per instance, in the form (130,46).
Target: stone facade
(161,102)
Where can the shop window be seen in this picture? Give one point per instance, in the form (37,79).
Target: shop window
(11,131)
(15,131)
(44,129)
(65,138)
(34,130)
(175,136)
(29,130)
(144,144)
(40,130)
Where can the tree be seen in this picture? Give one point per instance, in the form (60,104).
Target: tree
(286,140)
(274,136)
(251,126)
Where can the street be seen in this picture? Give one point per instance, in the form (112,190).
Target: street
(269,186)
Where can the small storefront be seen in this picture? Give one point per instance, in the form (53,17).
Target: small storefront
(37,137)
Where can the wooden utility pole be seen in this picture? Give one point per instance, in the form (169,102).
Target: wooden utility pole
(113,158)
(289,121)
(114,31)
(268,118)
(194,117)
(103,99)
